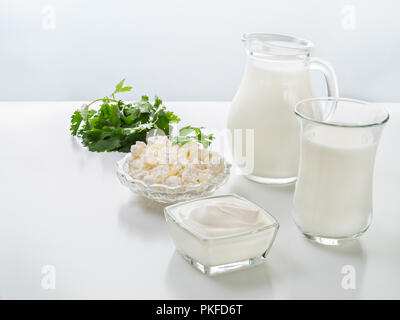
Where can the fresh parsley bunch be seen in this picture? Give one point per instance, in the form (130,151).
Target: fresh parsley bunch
(116,125)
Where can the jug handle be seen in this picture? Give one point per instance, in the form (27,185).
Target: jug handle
(329,74)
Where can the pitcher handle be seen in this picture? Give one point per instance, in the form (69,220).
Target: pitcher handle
(329,74)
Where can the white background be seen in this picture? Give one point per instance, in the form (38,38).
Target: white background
(185,49)
(62,205)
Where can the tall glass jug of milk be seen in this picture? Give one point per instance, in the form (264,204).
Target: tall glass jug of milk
(261,119)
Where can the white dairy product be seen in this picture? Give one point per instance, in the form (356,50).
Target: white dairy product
(265,102)
(218,218)
(218,231)
(333,196)
(161,162)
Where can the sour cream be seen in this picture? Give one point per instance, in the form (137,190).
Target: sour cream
(220,217)
(222,233)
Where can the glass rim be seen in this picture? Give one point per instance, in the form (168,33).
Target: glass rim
(168,215)
(269,39)
(337,124)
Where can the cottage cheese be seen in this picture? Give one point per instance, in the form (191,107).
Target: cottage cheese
(161,162)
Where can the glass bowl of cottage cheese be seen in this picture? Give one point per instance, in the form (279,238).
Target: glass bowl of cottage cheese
(168,173)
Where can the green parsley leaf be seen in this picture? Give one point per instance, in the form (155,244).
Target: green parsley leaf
(76,121)
(119,86)
(189,133)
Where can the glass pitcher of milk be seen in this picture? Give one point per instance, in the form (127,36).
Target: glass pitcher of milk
(339,139)
(277,75)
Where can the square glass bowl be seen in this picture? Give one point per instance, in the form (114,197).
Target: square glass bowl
(216,255)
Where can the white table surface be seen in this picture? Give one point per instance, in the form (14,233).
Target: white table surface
(62,205)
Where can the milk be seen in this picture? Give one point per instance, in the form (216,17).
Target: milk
(333,196)
(265,102)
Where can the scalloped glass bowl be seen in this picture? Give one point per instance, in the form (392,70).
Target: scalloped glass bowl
(170,194)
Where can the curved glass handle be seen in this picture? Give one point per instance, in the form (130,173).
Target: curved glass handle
(329,74)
